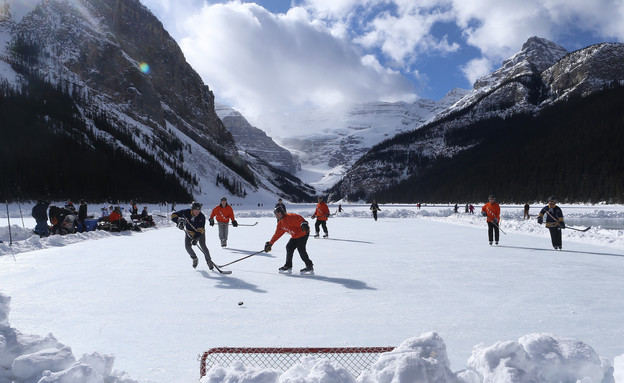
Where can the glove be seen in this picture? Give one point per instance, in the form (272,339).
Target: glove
(484,214)
(540,220)
(305,227)
(267,247)
(211,222)
(194,241)
(181,224)
(234,223)
(496,221)
(562,224)
(313,216)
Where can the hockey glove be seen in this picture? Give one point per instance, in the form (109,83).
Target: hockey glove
(484,214)
(267,247)
(313,216)
(194,241)
(181,224)
(562,224)
(496,221)
(305,227)
(234,223)
(540,220)
(211,221)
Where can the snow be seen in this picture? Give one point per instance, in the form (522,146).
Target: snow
(128,307)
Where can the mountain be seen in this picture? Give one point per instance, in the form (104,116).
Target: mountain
(335,137)
(255,141)
(98,91)
(539,125)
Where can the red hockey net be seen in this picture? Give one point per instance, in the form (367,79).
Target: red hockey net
(353,359)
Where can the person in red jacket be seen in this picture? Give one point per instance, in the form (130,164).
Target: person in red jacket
(223,213)
(491,211)
(321,214)
(299,230)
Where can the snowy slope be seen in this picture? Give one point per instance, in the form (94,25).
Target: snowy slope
(329,140)
(135,296)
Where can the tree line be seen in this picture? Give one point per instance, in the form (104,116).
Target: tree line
(571,150)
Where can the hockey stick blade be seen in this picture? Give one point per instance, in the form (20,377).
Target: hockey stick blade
(247,224)
(573,228)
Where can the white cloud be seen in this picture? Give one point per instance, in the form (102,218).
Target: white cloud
(261,62)
(477,68)
(324,51)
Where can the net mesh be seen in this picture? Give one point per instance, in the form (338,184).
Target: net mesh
(353,359)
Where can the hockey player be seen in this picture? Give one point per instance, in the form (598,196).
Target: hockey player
(193,222)
(224,213)
(299,229)
(554,221)
(374,207)
(491,211)
(321,214)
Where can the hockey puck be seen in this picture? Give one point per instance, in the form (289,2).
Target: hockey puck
(240,303)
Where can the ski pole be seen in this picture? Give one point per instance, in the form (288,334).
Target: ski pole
(9,220)
(22,216)
(245,257)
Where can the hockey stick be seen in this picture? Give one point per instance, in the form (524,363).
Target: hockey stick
(571,228)
(495,224)
(202,250)
(245,257)
(574,228)
(245,224)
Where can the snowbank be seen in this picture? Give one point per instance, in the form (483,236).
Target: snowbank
(30,358)
(534,358)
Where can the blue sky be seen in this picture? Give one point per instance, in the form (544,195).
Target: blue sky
(275,56)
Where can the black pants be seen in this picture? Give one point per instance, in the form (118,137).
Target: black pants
(493,231)
(375,214)
(202,244)
(555,236)
(300,245)
(320,223)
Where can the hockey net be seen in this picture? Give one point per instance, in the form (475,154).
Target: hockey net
(354,359)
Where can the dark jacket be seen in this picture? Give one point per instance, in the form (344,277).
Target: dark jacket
(554,215)
(82,211)
(40,211)
(194,225)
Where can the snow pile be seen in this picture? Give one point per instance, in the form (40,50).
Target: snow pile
(534,358)
(540,358)
(30,358)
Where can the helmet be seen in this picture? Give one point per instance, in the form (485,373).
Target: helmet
(196,206)
(552,198)
(279,209)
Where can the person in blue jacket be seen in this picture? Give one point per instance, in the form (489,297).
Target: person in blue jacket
(554,221)
(193,222)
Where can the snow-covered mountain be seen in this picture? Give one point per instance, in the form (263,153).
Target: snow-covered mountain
(133,94)
(255,141)
(335,137)
(542,75)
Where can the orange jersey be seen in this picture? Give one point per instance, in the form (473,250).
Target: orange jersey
(492,209)
(291,224)
(222,214)
(322,211)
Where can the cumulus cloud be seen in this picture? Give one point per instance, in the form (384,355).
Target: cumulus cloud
(322,52)
(262,62)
